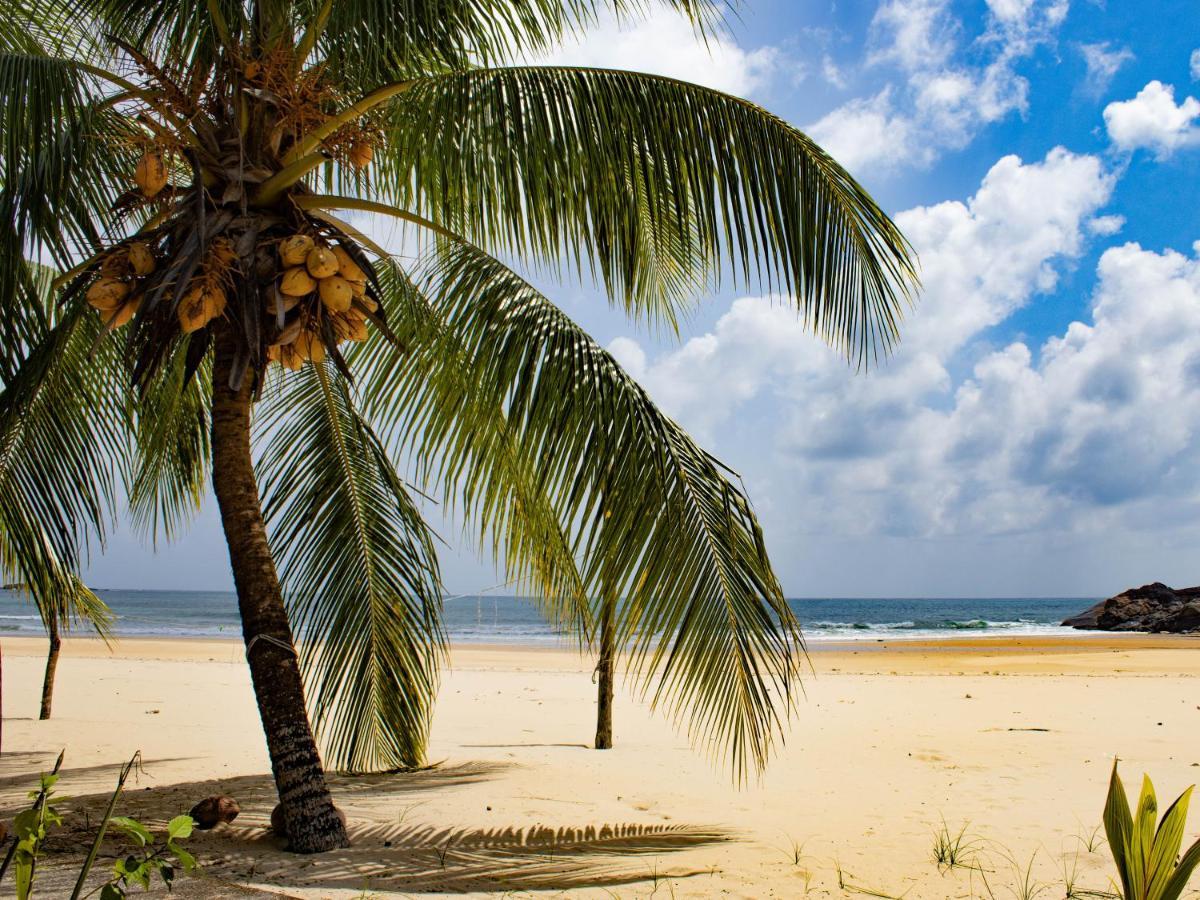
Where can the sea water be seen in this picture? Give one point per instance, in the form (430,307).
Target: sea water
(497,619)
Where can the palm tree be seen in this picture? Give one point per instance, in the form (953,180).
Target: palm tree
(187,169)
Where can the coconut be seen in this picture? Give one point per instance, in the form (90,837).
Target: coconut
(151,173)
(296,282)
(116,264)
(125,312)
(141,260)
(214,302)
(361,153)
(310,346)
(336,293)
(212,811)
(348,268)
(321,262)
(367,303)
(107,293)
(193,311)
(355,330)
(276,300)
(295,249)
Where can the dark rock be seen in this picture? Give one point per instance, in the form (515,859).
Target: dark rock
(211,811)
(1152,607)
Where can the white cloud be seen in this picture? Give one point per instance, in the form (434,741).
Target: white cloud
(1153,120)
(914,448)
(1103,62)
(664,43)
(867,132)
(1194,64)
(1106,226)
(952,88)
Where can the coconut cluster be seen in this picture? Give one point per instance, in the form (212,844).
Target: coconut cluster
(331,274)
(117,293)
(205,297)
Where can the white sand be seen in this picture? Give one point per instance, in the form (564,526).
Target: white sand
(890,740)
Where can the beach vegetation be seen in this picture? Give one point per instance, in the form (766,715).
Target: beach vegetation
(952,849)
(1145,849)
(182,299)
(162,857)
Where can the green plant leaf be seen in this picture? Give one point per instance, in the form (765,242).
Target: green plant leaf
(1118,824)
(1165,849)
(1183,872)
(180,827)
(134,829)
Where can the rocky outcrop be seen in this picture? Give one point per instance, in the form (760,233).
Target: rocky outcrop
(1151,607)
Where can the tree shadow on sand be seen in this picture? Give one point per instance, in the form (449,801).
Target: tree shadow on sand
(387,854)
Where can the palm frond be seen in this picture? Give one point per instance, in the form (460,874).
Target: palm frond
(537,163)
(171,449)
(58,593)
(62,437)
(359,573)
(366,43)
(485,475)
(652,517)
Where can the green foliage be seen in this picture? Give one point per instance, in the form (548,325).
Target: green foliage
(654,189)
(1147,857)
(161,857)
(359,571)
(31,827)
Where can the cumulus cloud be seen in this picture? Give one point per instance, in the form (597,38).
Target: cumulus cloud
(946,99)
(664,43)
(1103,62)
(952,437)
(1152,120)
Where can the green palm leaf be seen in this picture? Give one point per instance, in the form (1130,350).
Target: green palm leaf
(536,163)
(651,515)
(359,573)
(462,440)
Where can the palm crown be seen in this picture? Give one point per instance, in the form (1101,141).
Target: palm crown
(184,168)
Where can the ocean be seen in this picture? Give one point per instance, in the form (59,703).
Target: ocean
(496,619)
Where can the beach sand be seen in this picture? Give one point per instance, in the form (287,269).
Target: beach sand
(1012,738)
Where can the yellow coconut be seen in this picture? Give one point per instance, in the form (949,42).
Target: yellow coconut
(193,311)
(321,262)
(348,268)
(309,346)
(116,264)
(141,260)
(125,312)
(151,173)
(296,282)
(290,359)
(251,69)
(214,302)
(355,330)
(335,293)
(293,251)
(366,303)
(107,293)
(361,154)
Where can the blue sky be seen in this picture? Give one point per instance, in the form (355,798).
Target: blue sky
(1035,434)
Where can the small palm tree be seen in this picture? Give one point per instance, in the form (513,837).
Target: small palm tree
(187,168)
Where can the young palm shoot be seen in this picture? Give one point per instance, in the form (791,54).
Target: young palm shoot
(1146,850)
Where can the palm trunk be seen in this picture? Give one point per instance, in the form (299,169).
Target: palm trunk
(604,671)
(51,666)
(313,824)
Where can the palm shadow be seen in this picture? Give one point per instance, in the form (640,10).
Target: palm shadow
(391,855)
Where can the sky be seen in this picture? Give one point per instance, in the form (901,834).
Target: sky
(1034,434)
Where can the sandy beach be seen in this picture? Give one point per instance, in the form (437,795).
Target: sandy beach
(1012,738)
